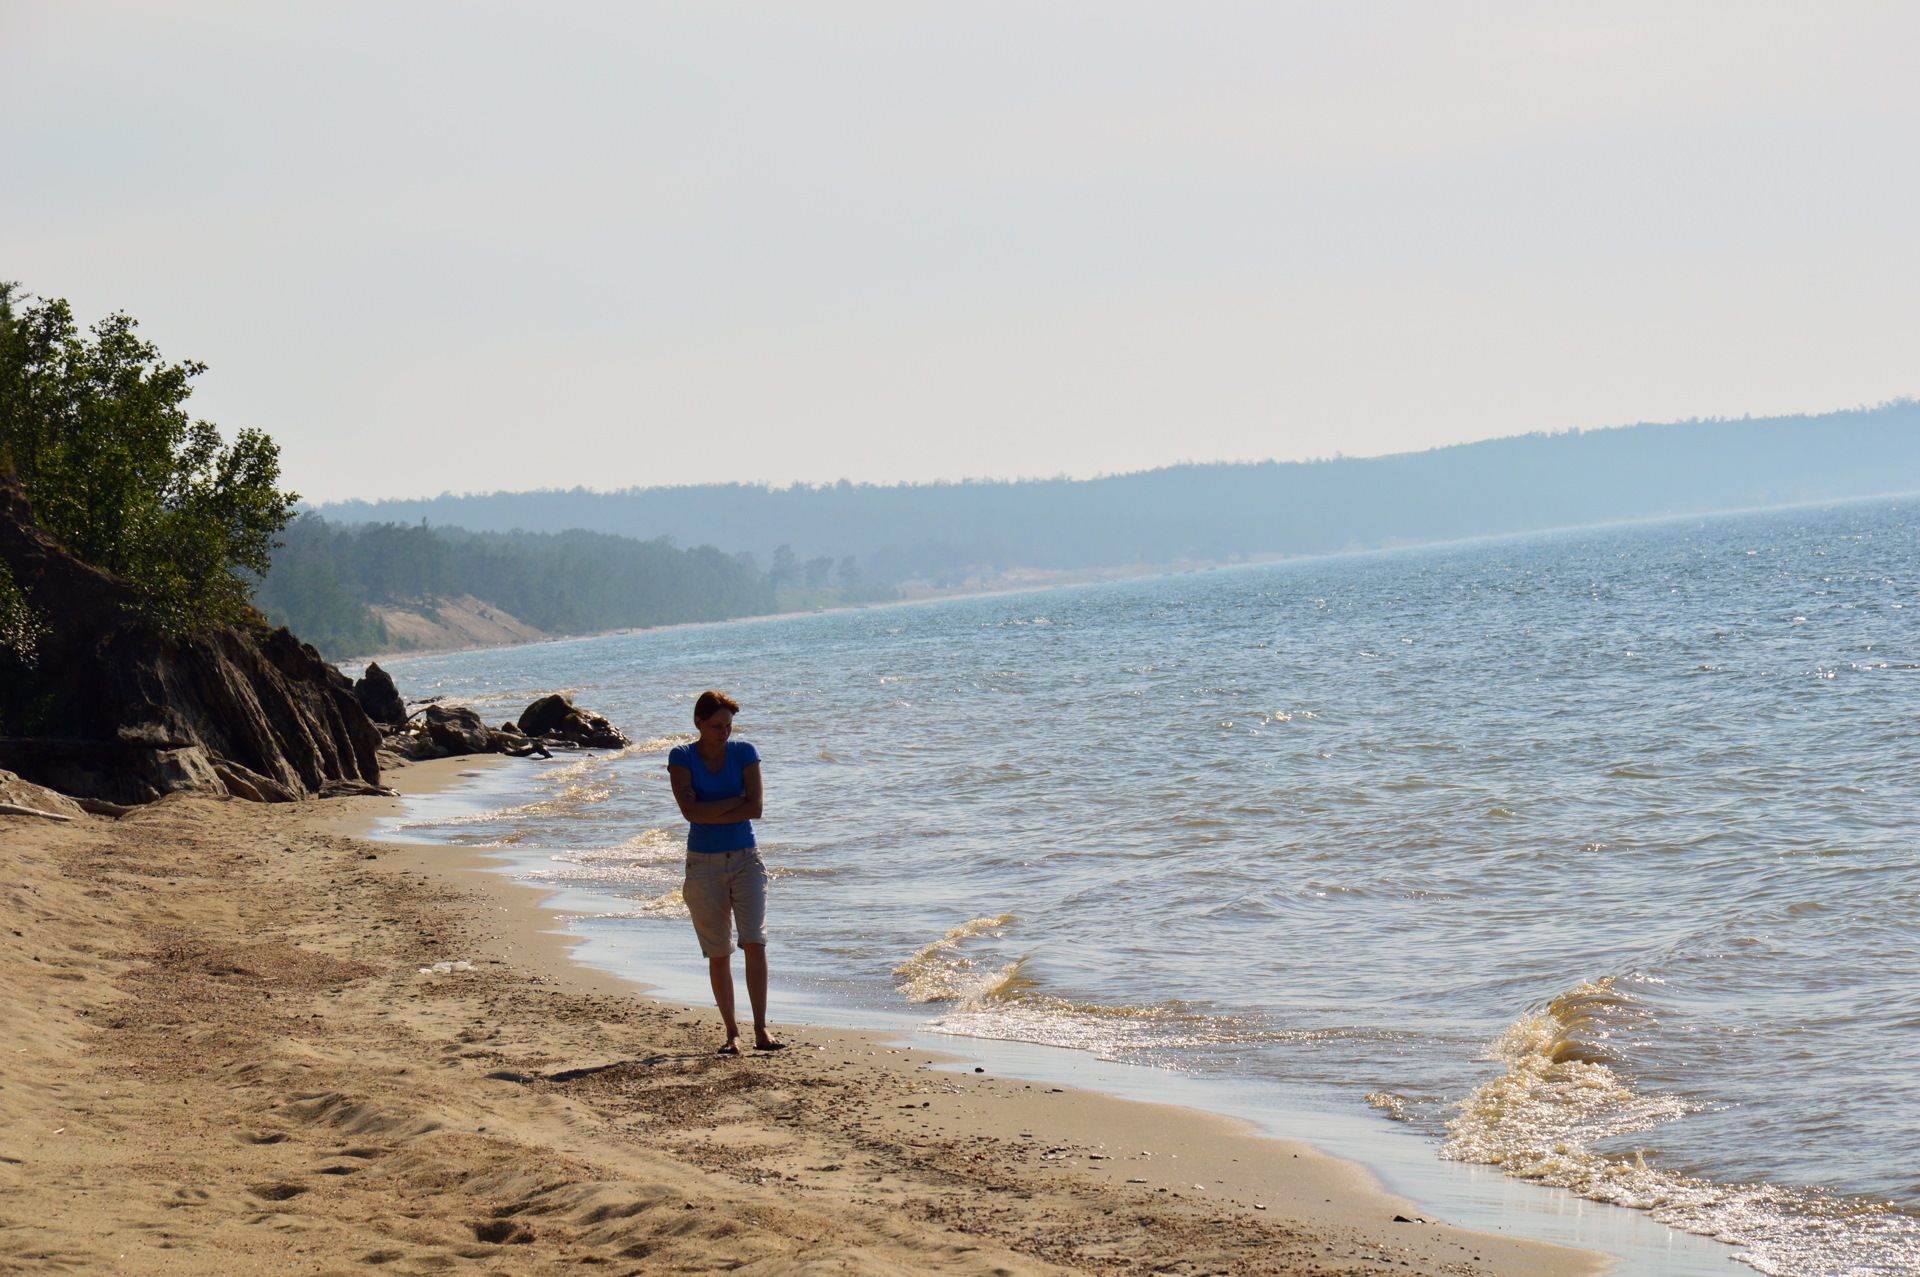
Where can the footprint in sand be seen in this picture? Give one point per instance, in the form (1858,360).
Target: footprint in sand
(502,1232)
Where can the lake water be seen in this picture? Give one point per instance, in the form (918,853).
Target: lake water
(1589,854)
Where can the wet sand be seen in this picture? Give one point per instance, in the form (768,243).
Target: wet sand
(221,1054)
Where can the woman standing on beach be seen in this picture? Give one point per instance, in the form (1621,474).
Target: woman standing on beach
(716,781)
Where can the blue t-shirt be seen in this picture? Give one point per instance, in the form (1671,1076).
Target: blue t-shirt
(711,786)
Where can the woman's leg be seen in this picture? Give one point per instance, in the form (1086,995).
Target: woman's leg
(756,963)
(720,974)
(705,892)
(750,914)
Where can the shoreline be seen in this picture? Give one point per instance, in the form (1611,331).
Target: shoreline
(225,1045)
(1228,1155)
(1384,1160)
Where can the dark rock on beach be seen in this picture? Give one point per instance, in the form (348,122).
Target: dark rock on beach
(24,798)
(379,697)
(114,711)
(456,730)
(251,785)
(557,718)
(441,731)
(410,745)
(450,730)
(511,740)
(446,733)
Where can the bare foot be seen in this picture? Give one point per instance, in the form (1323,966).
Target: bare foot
(767,1042)
(732,1046)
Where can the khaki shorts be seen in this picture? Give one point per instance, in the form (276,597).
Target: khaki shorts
(723,888)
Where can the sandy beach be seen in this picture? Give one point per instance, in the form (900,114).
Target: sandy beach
(221,1055)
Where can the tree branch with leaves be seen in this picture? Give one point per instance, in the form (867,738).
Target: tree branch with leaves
(92,426)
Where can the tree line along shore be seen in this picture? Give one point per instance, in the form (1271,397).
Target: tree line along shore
(352,589)
(359,578)
(974,533)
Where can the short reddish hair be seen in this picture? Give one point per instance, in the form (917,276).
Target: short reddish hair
(711,703)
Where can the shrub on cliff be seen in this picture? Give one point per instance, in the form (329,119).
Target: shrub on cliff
(21,625)
(92,426)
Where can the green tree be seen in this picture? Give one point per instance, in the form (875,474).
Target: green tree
(92,426)
(785,570)
(308,593)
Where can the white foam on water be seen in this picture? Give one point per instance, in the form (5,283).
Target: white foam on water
(667,905)
(940,972)
(1003,1001)
(1562,1094)
(653,846)
(565,803)
(660,744)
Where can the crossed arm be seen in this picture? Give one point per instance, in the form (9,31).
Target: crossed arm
(721,811)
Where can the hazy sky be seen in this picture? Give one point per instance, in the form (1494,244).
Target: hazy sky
(477,246)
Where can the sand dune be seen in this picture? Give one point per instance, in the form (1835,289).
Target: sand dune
(450,625)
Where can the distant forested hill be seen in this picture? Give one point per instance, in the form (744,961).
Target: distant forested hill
(1216,512)
(324,577)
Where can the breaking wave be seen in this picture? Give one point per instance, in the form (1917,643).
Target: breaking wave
(941,973)
(1002,1000)
(1563,1094)
(569,800)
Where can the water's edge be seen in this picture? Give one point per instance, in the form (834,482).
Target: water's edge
(1404,1161)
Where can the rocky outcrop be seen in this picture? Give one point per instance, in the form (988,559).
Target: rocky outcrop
(455,729)
(24,798)
(443,731)
(552,722)
(251,785)
(556,718)
(110,709)
(379,697)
